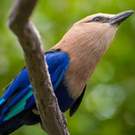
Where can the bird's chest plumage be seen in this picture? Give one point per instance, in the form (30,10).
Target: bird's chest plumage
(80,69)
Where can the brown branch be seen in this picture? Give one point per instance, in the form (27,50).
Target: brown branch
(52,119)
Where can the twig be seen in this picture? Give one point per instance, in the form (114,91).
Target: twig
(52,119)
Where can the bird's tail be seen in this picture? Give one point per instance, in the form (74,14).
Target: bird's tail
(11,125)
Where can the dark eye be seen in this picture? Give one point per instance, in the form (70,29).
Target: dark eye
(100,19)
(97,19)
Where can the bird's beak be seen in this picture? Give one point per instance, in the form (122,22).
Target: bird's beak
(119,18)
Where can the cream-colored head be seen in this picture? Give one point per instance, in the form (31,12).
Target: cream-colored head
(98,29)
(86,42)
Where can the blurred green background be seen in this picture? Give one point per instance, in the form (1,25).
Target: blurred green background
(108,107)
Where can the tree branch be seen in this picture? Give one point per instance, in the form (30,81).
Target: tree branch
(52,119)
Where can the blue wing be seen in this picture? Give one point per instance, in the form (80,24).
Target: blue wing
(19,96)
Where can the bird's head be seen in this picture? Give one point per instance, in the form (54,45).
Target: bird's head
(104,25)
(96,30)
(102,18)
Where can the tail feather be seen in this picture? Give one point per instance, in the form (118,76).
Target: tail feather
(11,125)
(25,117)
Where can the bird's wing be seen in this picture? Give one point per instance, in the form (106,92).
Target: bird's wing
(16,94)
(58,62)
(19,96)
(20,82)
(77,103)
(17,103)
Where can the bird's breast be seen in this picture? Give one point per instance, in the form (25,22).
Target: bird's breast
(80,69)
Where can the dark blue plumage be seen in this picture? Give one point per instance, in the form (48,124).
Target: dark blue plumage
(18,99)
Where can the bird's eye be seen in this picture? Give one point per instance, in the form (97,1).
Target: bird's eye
(100,19)
(97,19)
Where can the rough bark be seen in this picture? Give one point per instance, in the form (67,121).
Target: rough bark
(53,120)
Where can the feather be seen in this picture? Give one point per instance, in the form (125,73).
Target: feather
(18,98)
(77,103)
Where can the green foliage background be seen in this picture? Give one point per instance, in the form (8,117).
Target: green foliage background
(109,104)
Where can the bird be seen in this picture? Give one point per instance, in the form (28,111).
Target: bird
(71,63)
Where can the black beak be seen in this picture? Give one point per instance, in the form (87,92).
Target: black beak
(119,18)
